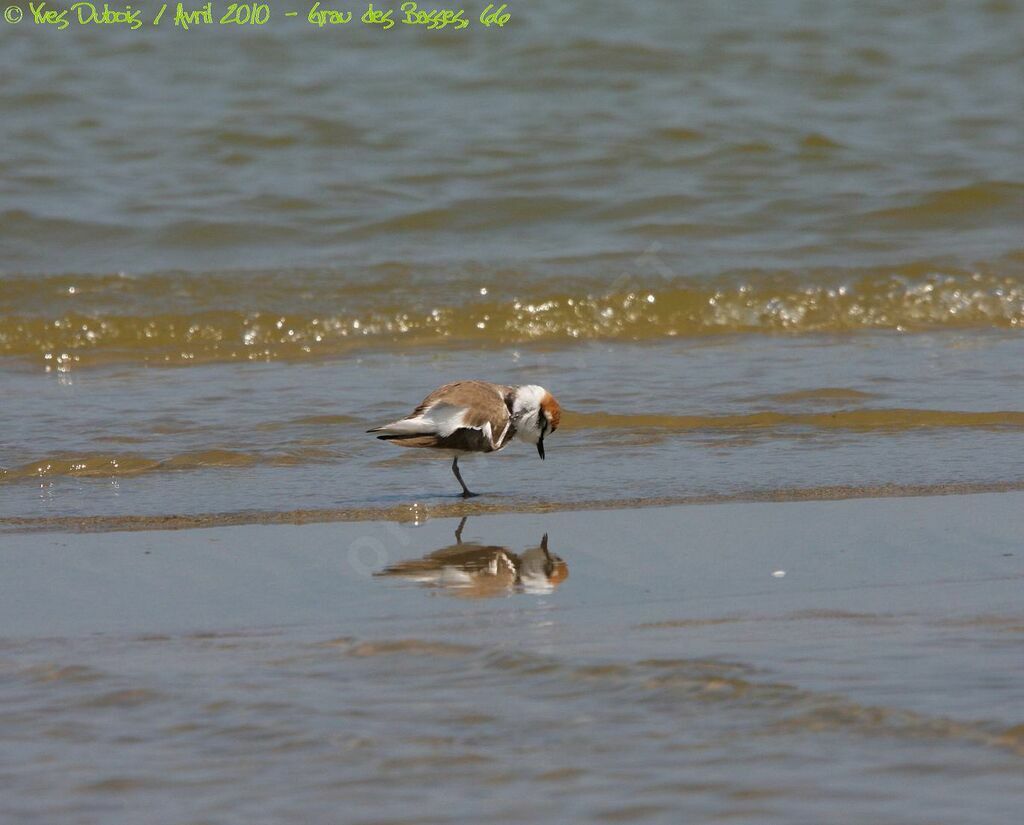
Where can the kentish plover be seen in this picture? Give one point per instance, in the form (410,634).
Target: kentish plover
(476,417)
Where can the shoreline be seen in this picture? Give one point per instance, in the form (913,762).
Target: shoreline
(419,512)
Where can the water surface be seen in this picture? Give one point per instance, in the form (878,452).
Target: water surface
(663,667)
(759,253)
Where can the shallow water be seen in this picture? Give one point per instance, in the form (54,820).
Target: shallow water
(749,250)
(677,419)
(661,667)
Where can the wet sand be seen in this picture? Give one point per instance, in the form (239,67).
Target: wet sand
(457,507)
(757,662)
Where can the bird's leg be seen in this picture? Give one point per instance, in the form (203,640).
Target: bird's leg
(466,493)
(458,530)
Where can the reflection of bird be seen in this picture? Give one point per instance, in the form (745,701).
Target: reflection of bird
(476,417)
(478,571)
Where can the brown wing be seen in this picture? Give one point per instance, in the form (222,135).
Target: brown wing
(456,416)
(476,403)
(486,399)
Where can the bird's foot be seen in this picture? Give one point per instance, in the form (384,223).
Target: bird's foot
(468,494)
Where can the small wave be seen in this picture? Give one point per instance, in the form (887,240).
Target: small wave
(124,698)
(972,205)
(823,395)
(816,143)
(408,647)
(224,234)
(633,208)
(64,321)
(680,134)
(100,465)
(255,138)
(480,214)
(52,672)
(119,786)
(861,420)
(21,224)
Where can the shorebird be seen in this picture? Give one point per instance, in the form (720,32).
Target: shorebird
(475,417)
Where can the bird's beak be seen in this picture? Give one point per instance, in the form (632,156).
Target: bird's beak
(540,448)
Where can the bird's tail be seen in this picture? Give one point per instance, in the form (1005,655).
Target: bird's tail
(404,428)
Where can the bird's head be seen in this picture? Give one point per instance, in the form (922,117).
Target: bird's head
(536,413)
